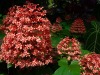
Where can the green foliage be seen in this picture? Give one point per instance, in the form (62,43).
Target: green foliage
(1,74)
(55,39)
(0,15)
(84,52)
(0,18)
(58,36)
(2,35)
(1,61)
(63,62)
(66,29)
(65,69)
(9,65)
(93,41)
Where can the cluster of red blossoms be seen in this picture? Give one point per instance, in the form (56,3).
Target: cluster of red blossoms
(90,64)
(78,26)
(58,20)
(27,41)
(70,48)
(56,26)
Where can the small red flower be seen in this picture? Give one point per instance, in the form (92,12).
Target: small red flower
(56,27)
(78,27)
(58,20)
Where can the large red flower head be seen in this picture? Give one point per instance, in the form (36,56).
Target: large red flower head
(27,41)
(90,64)
(70,48)
(78,26)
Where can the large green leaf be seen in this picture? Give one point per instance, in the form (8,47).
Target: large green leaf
(74,68)
(65,69)
(63,62)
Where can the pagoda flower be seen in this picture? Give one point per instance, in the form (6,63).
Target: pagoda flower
(70,48)
(58,20)
(56,27)
(78,26)
(90,64)
(27,41)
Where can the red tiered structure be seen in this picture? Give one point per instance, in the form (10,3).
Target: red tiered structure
(78,27)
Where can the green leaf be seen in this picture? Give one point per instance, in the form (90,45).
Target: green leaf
(1,61)
(65,26)
(9,65)
(63,70)
(63,62)
(0,15)
(73,69)
(1,74)
(92,40)
(55,40)
(85,52)
(66,29)
(2,35)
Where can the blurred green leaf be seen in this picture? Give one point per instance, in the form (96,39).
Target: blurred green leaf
(1,61)
(2,35)
(1,74)
(0,15)
(9,65)
(85,52)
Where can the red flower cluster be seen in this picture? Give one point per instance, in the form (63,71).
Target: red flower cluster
(27,41)
(78,26)
(56,27)
(70,48)
(58,20)
(90,64)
